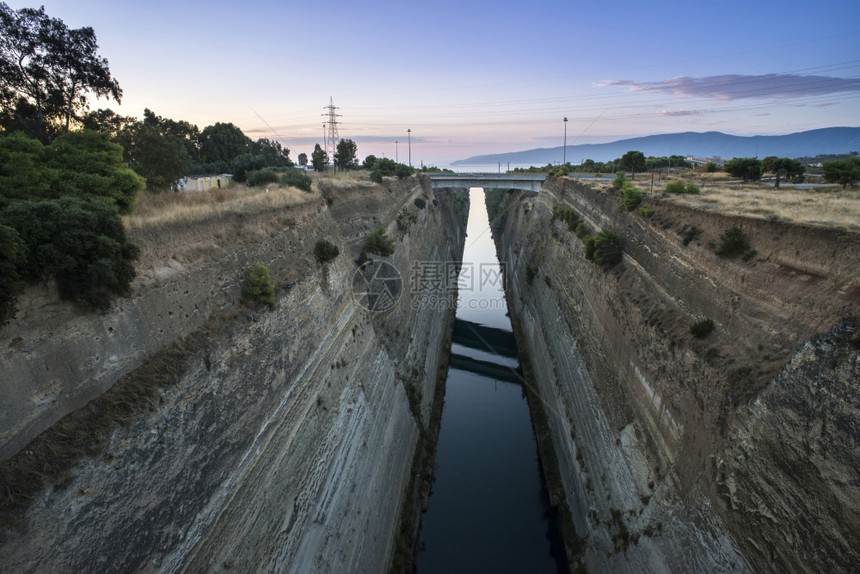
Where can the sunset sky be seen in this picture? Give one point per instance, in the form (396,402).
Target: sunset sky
(477,77)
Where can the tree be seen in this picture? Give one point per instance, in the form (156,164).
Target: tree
(303,158)
(47,72)
(222,143)
(748,168)
(845,172)
(345,158)
(319,158)
(633,161)
(106,121)
(161,159)
(82,164)
(272,153)
(782,166)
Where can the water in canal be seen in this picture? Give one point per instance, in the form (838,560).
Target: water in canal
(488,509)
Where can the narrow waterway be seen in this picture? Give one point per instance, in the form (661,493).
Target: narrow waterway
(488,509)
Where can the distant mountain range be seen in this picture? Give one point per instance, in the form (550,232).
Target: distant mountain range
(700,145)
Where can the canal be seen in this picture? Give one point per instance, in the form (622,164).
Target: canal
(488,509)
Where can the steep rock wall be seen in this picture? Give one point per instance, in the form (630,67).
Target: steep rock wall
(286,445)
(650,424)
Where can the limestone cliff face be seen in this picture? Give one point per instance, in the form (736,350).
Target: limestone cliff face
(685,454)
(288,443)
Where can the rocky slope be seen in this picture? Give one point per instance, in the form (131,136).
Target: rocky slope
(733,452)
(286,443)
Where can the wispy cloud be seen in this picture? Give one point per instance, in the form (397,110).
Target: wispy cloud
(736,86)
(679,113)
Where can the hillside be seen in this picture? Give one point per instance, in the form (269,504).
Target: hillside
(838,140)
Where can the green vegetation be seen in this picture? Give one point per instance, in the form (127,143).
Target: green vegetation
(384,167)
(345,156)
(607,249)
(567,215)
(296,178)
(633,161)
(60,208)
(748,168)
(582,230)
(47,73)
(783,167)
(531,272)
(325,251)
(679,186)
(598,167)
(689,233)
(258,288)
(405,219)
(632,195)
(378,242)
(319,158)
(420,203)
(645,212)
(733,243)
(263,176)
(701,329)
(618,182)
(845,172)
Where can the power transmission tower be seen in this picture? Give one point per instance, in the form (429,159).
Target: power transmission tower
(331,144)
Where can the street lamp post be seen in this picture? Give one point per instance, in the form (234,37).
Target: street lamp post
(564,154)
(409,137)
(396,152)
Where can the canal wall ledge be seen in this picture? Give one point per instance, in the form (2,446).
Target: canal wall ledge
(284,442)
(735,452)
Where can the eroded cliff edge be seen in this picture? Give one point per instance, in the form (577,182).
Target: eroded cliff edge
(285,442)
(734,452)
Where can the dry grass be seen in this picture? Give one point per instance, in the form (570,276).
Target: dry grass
(176,230)
(158,210)
(822,205)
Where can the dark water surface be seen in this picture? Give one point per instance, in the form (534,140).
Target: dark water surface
(488,509)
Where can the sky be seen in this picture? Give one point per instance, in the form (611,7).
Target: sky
(471,77)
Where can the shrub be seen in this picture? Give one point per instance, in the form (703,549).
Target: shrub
(733,243)
(701,329)
(260,177)
(582,230)
(297,178)
(420,203)
(403,171)
(589,247)
(258,288)
(375,176)
(405,219)
(632,196)
(325,251)
(645,212)
(618,182)
(676,186)
(12,255)
(711,167)
(607,249)
(679,186)
(80,243)
(690,233)
(378,242)
(567,215)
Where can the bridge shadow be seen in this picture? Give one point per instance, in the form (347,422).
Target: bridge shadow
(488,340)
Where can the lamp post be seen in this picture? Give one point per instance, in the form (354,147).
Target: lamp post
(324,142)
(396,154)
(409,137)
(564,153)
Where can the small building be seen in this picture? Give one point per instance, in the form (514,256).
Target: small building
(204,182)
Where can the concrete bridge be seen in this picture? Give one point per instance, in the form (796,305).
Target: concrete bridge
(530,182)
